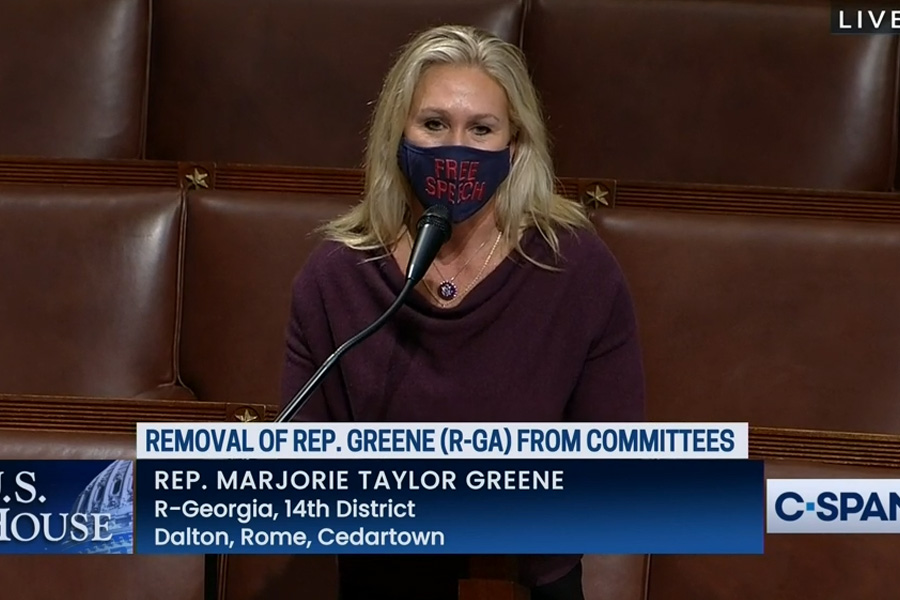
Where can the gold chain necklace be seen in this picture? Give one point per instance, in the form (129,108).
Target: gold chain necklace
(442,291)
(447,289)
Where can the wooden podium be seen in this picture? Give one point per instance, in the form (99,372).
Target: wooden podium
(493,578)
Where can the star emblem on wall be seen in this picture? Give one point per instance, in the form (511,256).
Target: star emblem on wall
(246,415)
(197,179)
(597,196)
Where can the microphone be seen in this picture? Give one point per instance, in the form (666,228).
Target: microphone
(432,231)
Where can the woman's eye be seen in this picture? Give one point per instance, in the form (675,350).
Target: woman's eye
(481,130)
(433,125)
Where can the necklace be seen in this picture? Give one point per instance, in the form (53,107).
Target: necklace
(447,289)
(444,299)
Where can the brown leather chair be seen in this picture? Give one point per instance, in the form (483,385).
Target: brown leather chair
(285,82)
(89,300)
(782,323)
(74,77)
(746,92)
(242,251)
(778,322)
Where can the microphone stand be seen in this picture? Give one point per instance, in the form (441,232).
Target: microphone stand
(211,574)
(294,406)
(433,230)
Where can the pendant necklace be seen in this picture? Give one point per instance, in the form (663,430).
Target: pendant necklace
(447,290)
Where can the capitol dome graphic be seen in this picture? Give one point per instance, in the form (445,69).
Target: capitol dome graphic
(111,492)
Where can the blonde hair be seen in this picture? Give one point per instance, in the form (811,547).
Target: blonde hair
(525,199)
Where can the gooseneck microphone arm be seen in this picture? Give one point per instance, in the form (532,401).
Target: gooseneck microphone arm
(294,406)
(433,231)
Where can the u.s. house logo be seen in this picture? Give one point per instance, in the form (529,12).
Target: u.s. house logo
(833,505)
(37,515)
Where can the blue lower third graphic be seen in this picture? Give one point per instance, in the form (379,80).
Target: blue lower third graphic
(449,506)
(66,507)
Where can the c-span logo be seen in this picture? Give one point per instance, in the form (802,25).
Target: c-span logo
(833,506)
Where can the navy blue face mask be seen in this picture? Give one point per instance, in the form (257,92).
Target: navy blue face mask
(461,178)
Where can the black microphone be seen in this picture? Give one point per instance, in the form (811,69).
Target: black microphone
(433,231)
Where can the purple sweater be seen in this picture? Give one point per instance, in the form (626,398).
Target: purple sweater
(526,344)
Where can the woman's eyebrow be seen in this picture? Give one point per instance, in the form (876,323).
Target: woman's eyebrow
(440,112)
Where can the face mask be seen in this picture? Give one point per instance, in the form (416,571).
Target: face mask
(461,178)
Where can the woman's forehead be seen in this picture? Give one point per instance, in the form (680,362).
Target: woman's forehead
(450,88)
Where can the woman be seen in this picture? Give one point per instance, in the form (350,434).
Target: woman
(524,315)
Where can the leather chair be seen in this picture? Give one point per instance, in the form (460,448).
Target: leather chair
(285,82)
(242,251)
(74,77)
(777,322)
(89,304)
(744,92)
